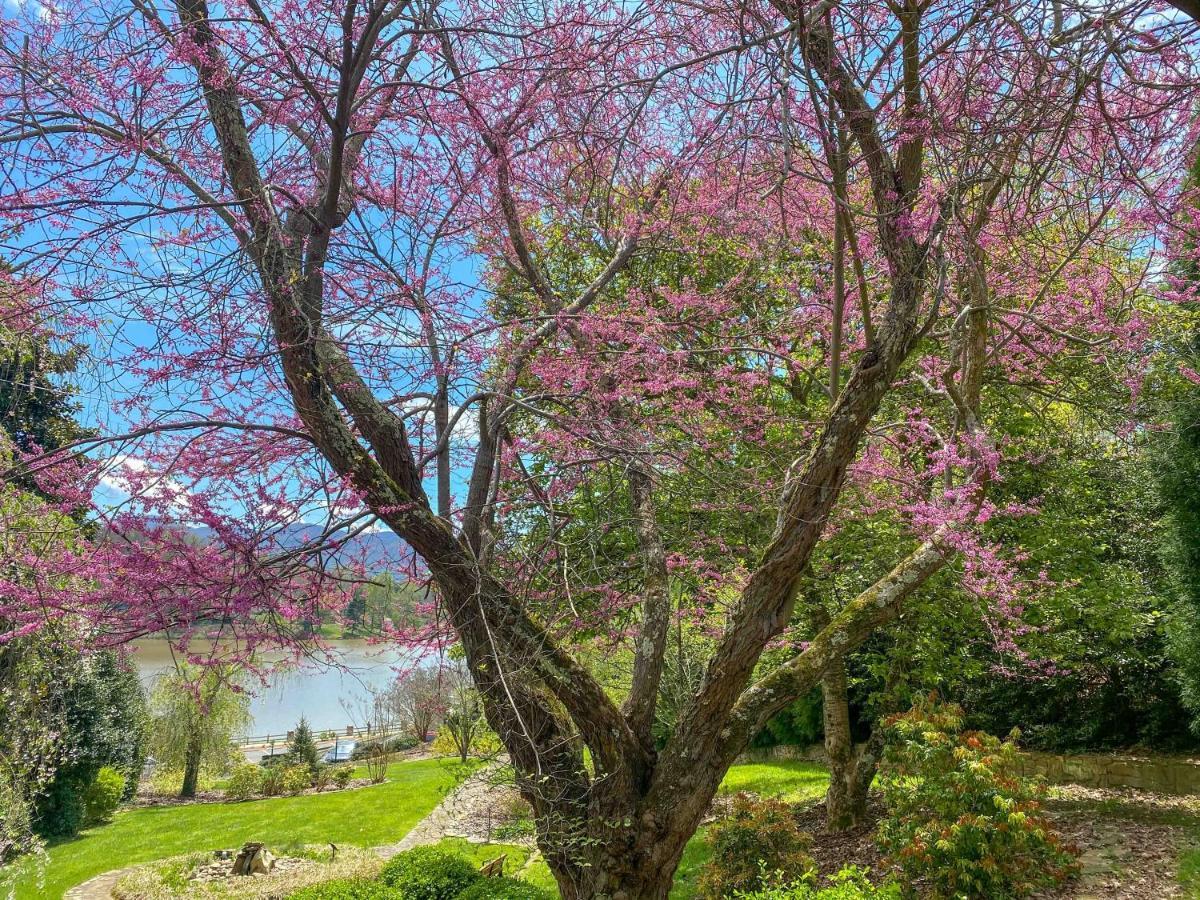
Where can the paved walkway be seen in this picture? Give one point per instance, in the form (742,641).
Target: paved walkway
(98,888)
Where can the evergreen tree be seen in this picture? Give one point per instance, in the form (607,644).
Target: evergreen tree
(302,748)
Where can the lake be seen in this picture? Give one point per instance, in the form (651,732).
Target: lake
(331,696)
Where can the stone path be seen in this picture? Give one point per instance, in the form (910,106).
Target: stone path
(98,888)
(472,811)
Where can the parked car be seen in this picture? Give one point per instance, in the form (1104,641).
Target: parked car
(341,751)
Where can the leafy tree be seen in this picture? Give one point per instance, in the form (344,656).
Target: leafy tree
(418,699)
(317,225)
(68,714)
(37,400)
(197,711)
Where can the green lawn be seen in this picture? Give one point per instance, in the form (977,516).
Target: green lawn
(368,816)
(365,817)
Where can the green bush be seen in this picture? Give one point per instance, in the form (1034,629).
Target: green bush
(244,782)
(346,889)
(850,883)
(103,796)
(394,744)
(960,820)
(295,779)
(505,889)
(426,873)
(758,845)
(272,780)
(60,808)
(342,775)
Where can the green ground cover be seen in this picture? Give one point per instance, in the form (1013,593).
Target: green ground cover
(368,816)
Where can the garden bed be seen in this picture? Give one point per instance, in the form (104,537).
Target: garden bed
(1130,842)
(198,875)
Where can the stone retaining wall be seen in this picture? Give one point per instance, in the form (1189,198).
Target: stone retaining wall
(1161,774)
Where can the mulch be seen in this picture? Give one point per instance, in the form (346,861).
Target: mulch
(1121,858)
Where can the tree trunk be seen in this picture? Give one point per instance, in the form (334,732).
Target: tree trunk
(630,864)
(191,766)
(850,770)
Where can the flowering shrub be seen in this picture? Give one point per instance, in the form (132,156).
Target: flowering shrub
(342,775)
(244,782)
(960,821)
(296,779)
(758,845)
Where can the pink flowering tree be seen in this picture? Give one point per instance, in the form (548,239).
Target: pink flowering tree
(445,271)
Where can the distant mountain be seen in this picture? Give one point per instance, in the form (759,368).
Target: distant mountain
(381,550)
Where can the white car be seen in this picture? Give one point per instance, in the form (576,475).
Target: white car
(341,751)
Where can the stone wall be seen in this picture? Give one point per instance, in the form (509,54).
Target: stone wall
(1162,774)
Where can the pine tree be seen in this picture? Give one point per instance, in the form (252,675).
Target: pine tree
(302,748)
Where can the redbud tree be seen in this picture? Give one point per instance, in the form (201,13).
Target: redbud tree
(452,269)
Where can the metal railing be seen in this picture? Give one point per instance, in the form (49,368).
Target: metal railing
(320,734)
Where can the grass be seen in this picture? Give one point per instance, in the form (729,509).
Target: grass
(365,817)
(1189,869)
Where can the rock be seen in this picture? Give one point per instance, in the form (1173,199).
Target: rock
(253,859)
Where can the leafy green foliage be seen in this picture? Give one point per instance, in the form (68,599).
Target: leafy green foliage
(505,889)
(294,779)
(798,725)
(393,744)
(37,409)
(759,844)
(342,775)
(196,714)
(102,797)
(1179,478)
(244,782)
(960,821)
(851,883)
(346,889)
(427,873)
(104,724)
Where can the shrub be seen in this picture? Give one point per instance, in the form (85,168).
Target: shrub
(759,844)
(166,781)
(427,873)
(244,782)
(272,781)
(505,889)
(371,746)
(959,819)
(345,889)
(342,775)
(103,796)
(850,883)
(322,777)
(295,779)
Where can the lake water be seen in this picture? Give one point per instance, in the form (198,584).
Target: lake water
(330,696)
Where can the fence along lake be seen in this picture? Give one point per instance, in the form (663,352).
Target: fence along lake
(330,696)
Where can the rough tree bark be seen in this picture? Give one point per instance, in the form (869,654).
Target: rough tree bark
(191,765)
